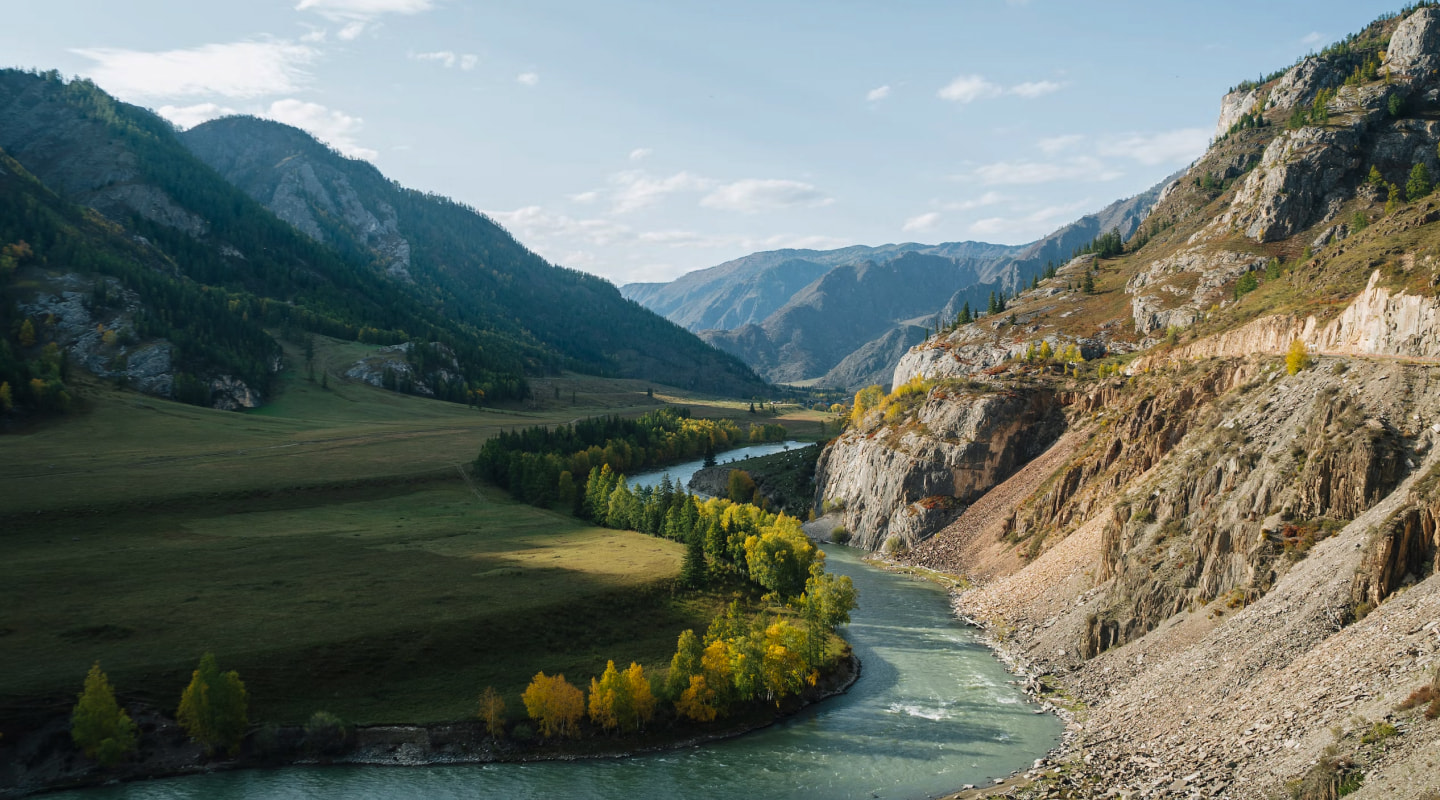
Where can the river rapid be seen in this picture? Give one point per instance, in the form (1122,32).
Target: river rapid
(932,711)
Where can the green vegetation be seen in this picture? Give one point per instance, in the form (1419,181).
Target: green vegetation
(214,708)
(99,726)
(1418,185)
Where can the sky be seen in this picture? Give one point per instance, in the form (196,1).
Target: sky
(642,140)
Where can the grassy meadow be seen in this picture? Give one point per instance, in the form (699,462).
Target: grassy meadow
(328,546)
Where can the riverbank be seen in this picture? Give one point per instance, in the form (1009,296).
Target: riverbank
(786,480)
(49,762)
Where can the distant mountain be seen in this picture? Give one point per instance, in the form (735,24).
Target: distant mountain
(355,257)
(749,289)
(864,307)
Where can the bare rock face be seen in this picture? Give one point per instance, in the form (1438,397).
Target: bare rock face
(909,481)
(1164,297)
(1298,176)
(301,190)
(229,393)
(1299,86)
(1415,45)
(1234,106)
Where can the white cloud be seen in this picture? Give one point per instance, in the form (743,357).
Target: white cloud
(351,31)
(1152,149)
(1015,173)
(186,117)
(1027,227)
(987,199)
(315,36)
(540,228)
(528,78)
(335,128)
(1059,144)
(585,198)
(1312,38)
(636,189)
(363,9)
(923,222)
(968,89)
(640,153)
(445,57)
(753,195)
(468,61)
(1033,89)
(238,69)
(878,93)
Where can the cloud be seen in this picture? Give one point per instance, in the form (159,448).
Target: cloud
(640,153)
(186,117)
(987,199)
(528,78)
(636,189)
(1016,173)
(335,128)
(1152,149)
(315,36)
(1058,144)
(362,9)
(238,69)
(468,61)
(1027,227)
(878,93)
(968,89)
(535,224)
(584,198)
(754,195)
(923,222)
(351,31)
(446,57)
(1033,89)
(1312,38)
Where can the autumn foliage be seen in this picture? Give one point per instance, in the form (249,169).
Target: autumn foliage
(555,705)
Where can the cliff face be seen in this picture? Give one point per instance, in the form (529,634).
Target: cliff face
(908,480)
(1229,562)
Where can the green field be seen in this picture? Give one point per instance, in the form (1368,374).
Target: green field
(327,546)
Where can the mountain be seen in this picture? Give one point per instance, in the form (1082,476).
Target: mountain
(864,307)
(1192,483)
(462,262)
(749,289)
(464,308)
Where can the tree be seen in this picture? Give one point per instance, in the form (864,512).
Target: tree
(697,701)
(557,706)
(7,397)
(611,706)
(492,712)
(965,317)
(1297,358)
(684,664)
(1396,104)
(642,694)
(741,487)
(1247,284)
(1419,184)
(825,605)
(214,707)
(1375,178)
(99,726)
(779,558)
(1088,285)
(27,333)
(1392,199)
(692,569)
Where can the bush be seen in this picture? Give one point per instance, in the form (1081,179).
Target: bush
(840,535)
(327,734)
(1298,358)
(1144,516)
(895,546)
(1378,733)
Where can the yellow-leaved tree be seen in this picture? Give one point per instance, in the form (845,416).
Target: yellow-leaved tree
(697,701)
(555,705)
(492,712)
(214,708)
(1297,358)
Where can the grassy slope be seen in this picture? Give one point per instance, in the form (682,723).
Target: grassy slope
(325,546)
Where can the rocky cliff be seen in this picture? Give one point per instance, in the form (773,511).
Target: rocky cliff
(1225,568)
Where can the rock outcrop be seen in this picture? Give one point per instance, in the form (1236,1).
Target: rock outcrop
(906,480)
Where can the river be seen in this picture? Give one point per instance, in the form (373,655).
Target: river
(933,710)
(680,473)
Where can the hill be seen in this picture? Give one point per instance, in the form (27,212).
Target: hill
(1192,478)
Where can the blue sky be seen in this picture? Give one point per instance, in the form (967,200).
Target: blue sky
(639,140)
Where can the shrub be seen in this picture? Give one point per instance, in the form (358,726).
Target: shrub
(895,545)
(1378,733)
(326,734)
(840,535)
(1297,358)
(1144,516)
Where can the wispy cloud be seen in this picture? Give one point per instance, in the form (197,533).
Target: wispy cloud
(238,70)
(968,89)
(1027,226)
(635,189)
(1059,144)
(335,128)
(987,199)
(186,117)
(363,9)
(449,59)
(922,222)
(584,198)
(1033,89)
(754,195)
(878,93)
(528,78)
(640,153)
(1153,149)
(352,30)
(1018,173)
(1312,38)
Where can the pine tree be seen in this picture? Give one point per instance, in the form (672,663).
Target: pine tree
(99,726)
(965,317)
(1419,184)
(214,708)
(692,569)
(1088,286)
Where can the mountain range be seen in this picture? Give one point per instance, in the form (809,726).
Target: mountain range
(273,233)
(843,318)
